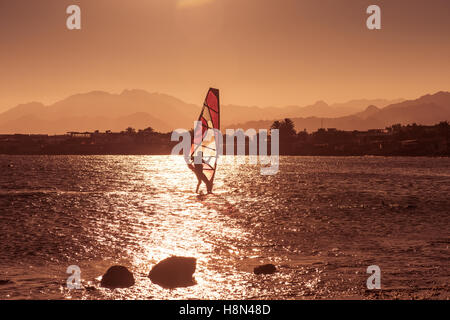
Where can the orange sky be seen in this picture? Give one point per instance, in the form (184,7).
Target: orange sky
(258,52)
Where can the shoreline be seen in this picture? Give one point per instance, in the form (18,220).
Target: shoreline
(281,155)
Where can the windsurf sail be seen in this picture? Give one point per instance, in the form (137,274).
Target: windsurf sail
(206,139)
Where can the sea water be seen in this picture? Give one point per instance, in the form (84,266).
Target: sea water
(321,220)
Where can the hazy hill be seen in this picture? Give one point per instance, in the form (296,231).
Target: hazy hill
(322,109)
(240,114)
(370,111)
(426,110)
(100,110)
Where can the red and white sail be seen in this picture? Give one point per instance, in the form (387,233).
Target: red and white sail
(205,134)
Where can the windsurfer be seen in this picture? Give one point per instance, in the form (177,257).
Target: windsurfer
(197,167)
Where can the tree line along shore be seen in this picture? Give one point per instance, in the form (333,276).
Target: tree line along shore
(396,140)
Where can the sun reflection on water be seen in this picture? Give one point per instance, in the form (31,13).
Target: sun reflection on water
(160,216)
(310,221)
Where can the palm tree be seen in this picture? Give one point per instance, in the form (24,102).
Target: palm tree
(276,125)
(286,128)
(289,127)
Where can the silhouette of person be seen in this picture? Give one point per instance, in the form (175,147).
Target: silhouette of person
(197,167)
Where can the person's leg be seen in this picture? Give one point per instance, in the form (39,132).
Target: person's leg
(198,185)
(207,183)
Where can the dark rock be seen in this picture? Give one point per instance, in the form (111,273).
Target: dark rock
(265,269)
(174,272)
(5,282)
(90,288)
(117,277)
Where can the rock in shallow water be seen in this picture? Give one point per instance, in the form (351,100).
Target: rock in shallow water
(117,277)
(5,282)
(265,269)
(174,272)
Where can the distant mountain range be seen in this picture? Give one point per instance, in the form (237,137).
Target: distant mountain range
(426,110)
(100,110)
(140,109)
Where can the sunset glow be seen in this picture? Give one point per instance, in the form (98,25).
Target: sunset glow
(192,3)
(259,52)
(241,151)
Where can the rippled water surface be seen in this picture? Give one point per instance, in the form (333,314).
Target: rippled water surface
(321,220)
